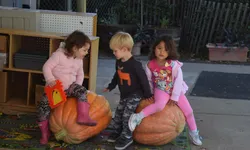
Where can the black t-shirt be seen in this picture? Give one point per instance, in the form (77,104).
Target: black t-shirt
(131,79)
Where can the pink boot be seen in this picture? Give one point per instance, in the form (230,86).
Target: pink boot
(44,127)
(83,114)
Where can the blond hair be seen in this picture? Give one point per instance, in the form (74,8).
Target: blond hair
(121,39)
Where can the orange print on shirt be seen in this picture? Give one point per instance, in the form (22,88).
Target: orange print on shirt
(123,76)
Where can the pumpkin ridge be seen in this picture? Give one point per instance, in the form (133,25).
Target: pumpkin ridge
(93,131)
(79,135)
(95,108)
(63,108)
(104,118)
(71,132)
(61,114)
(74,140)
(167,136)
(107,111)
(102,108)
(97,115)
(170,123)
(90,96)
(52,120)
(71,113)
(180,128)
(61,134)
(156,141)
(56,112)
(145,127)
(66,112)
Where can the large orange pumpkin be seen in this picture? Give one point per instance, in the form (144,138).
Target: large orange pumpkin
(159,128)
(63,119)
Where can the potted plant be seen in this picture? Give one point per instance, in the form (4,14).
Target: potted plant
(233,49)
(143,37)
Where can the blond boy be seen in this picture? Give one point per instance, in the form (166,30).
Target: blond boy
(133,85)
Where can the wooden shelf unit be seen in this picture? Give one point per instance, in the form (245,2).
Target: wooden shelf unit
(18,86)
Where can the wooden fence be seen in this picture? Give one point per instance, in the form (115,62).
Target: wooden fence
(204,21)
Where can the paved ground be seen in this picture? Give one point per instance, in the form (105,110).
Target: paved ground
(224,124)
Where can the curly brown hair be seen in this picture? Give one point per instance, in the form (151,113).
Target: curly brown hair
(76,39)
(170,46)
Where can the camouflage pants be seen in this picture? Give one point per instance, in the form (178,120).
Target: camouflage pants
(75,90)
(124,110)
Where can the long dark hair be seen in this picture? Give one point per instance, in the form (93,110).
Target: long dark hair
(170,46)
(76,38)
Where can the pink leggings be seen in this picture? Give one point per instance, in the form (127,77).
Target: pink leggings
(162,98)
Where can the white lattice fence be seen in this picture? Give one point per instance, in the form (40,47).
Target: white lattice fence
(66,23)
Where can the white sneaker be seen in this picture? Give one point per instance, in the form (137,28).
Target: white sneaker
(195,137)
(134,120)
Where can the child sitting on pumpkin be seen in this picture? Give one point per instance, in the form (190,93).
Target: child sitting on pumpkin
(166,80)
(66,65)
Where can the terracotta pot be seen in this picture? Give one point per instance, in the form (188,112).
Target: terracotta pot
(136,51)
(222,53)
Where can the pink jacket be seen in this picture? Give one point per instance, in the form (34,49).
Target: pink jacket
(67,70)
(179,86)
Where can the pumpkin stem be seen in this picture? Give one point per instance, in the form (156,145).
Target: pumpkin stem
(61,134)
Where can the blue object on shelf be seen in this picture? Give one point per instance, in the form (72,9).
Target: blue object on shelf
(33,60)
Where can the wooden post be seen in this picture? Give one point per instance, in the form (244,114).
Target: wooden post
(141,14)
(69,5)
(81,6)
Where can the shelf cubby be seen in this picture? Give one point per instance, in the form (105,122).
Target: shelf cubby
(4,49)
(17,86)
(20,89)
(35,49)
(3,86)
(54,44)
(34,79)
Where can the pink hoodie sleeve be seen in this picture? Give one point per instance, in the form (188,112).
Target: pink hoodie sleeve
(80,74)
(49,65)
(149,75)
(177,88)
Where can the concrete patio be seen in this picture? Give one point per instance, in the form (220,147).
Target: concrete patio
(223,124)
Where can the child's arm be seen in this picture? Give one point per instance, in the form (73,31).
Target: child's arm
(143,80)
(177,88)
(149,75)
(80,74)
(113,83)
(49,65)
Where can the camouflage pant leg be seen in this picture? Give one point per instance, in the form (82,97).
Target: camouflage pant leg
(131,105)
(116,122)
(78,91)
(43,109)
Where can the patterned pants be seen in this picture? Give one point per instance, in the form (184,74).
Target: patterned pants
(124,110)
(75,90)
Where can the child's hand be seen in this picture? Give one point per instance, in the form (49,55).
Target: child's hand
(105,90)
(172,103)
(52,83)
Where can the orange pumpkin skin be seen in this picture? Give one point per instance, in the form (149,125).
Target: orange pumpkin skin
(159,128)
(63,119)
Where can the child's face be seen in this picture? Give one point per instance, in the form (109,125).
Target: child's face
(81,52)
(160,51)
(120,52)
